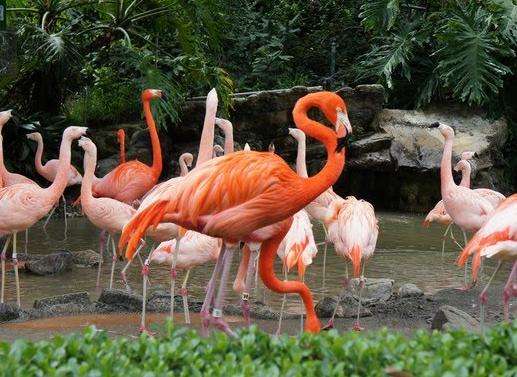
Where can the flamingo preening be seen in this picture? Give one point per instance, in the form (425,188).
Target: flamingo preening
(497,238)
(236,197)
(23,204)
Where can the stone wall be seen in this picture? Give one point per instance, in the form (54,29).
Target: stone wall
(393,159)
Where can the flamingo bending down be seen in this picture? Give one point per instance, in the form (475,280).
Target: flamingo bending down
(121,137)
(23,204)
(467,208)
(353,229)
(318,207)
(298,248)
(131,180)
(236,197)
(49,172)
(496,238)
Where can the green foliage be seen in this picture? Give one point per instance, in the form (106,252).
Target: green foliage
(254,353)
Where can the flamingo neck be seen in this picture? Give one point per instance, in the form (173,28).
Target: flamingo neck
(446,179)
(330,173)
(155,140)
(183,167)
(39,155)
(465,175)
(3,170)
(228,140)
(206,144)
(122,145)
(88,178)
(57,187)
(301,165)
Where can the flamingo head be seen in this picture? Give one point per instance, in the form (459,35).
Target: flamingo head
(468,155)
(121,134)
(88,145)
(298,134)
(218,150)
(150,94)
(224,124)
(34,136)
(335,111)
(462,165)
(188,158)
(446,131)
(73,132)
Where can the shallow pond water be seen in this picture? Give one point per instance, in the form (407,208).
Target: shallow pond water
(406,252)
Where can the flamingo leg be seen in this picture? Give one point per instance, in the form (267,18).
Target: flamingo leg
(64,214)
(205,309)
(267,258)
(145,273)
(3,257)
(217,312)
(509,291)
(325,255)
(16,277)
(26,245)
(444,236)
(113,260)
(123,272)
(301,307)
(362,281)
(284,299)
(184,296)
(346,282)
(245,296)
(174,275)
(483,298)
(48,219)
(102,244)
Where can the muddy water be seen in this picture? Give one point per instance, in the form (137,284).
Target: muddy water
(406,252)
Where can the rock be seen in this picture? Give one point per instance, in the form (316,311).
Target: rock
(161,302)
(363,102)
(258,310)
(346,308)
(51,264)
(448,317)
(375,290)
(79,299)
(121,300)
(9,312)
(410,290)
(88,258)
(373,143)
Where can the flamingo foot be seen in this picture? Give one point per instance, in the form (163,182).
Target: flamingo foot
(205,322)
(357,327)
(467,287)
(328,326)
(124,280)
(483,298)
(219,323)
(145,330)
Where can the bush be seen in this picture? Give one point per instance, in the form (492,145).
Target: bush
(254,353)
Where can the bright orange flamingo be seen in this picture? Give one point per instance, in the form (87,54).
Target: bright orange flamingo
(49,172)
(131,180)
(121,136)
(496,238)
(23,204)
(236,197)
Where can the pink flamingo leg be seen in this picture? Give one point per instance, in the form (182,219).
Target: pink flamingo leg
(123,272)
(483,298)
(210,291)
(184,296)
(362,282)
(509,291)
(113,260)
(3,257)
(102,244)
(217,312)
(16,277)
(245,296)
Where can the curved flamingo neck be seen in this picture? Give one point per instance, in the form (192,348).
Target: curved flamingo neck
(465,175)
(301,164)
(155,141)
(183,167)
(3,170)
(446,179)
(228,140)
(57,187)
(206,144)
(89,163)
(330,173)
(39,155)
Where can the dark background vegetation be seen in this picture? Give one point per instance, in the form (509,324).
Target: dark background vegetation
(85,62)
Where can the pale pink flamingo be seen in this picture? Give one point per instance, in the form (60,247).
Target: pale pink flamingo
(353,229)
(467,208)
(23,204)
(298,248)
(236,197)
(49,172)
(497,238)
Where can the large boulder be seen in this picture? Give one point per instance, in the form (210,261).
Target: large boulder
(9,312)
(346,308)
(50,264)
(374,290)
(410,290)
(448,317)
(121,300)
(70,303)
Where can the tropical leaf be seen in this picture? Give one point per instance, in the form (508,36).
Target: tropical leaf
(379,14)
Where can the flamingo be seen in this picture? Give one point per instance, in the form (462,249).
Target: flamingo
(49,172)
(121,137)
(318,208)
(298,248)
(467,208)
(23,204)
(353,229)
(497,238)
(236,197)
(129,181)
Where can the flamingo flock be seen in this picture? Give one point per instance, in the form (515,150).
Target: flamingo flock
(244,203)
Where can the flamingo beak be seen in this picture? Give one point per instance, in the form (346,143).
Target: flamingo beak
(342,122)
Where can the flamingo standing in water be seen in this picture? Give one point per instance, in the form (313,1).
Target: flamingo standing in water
(298,248)
(251,196)
(49,172)
(497,238)
(467,208)
(353,229)
(23,204)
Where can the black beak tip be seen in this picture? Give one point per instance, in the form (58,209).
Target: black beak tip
(476,155)
(342,142)
(434,125)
